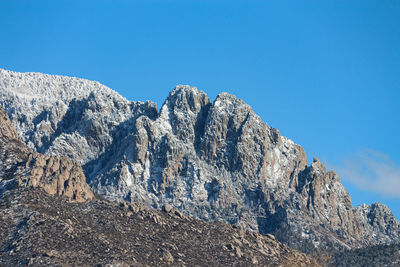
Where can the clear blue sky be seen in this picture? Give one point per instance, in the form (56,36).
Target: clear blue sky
(325,73)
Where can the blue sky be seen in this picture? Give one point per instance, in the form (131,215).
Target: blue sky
(325,73)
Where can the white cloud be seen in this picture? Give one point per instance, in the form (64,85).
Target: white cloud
(372,171)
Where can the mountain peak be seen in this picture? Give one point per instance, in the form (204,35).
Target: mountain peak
(186,97)
(183,88)
(213,161)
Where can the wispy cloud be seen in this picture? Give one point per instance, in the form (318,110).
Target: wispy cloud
(372,171)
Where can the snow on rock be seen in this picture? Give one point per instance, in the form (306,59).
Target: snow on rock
(211,160)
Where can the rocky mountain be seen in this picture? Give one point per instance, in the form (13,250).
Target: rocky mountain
(215,161)
(50,217)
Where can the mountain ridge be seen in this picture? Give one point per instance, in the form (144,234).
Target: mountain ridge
(49,216)
(212,160)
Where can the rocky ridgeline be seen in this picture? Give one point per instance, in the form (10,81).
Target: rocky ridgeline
(212,160)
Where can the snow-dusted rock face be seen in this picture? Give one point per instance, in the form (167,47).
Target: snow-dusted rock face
(378,220)
(62,115)
(215,161)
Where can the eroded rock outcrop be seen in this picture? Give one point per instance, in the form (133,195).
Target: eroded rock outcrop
(57,176)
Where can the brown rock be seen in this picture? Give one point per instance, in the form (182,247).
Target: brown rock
(167,256)
(270,236)
(7,130)
(179,214)
(167,208)
(57,176)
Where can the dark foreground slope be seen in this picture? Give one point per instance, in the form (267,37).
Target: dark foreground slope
(380,255)
(49,216)
(40,229)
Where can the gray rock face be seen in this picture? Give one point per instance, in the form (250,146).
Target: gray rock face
(378,220)
(214,161)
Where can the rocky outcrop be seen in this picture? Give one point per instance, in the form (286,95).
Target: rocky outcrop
(12,150)
(57,176)
(42,230)
(212,160)
(7,130)
(379,220)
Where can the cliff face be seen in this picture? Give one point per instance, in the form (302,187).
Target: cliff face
(212,160)
(44,229)
(19,164)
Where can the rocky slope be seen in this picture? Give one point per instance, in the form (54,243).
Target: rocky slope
(42,230)
(212,160)
(377,256)
(19,165)
(64,228)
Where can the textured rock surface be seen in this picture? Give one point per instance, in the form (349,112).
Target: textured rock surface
(378,219)
(18,164)
(212,160)
(42,230)
(377,256)
(38,229)
(57,176)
